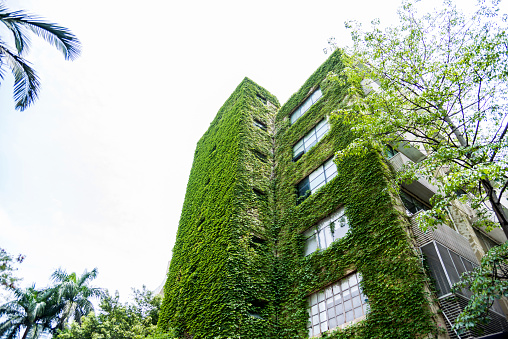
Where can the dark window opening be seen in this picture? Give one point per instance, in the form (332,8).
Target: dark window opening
(259,124)
(390,151)
(263,100)
(259,155)
(261,195)
(298,156)
(412,204)
(257,241)
(256,308)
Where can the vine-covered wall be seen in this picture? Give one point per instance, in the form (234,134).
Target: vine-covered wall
(238,268)
(377,244)
(219,280)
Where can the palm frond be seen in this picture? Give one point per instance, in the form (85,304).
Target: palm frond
(60,37)
(26,82)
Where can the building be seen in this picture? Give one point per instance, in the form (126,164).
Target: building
(277,241)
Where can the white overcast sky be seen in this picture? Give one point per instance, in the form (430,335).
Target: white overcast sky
(94,174)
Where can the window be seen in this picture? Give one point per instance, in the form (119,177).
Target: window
(327,231)
(412,204)
(335,305)
(259,124)
(446,267)
(390,151)
(316,179)
(310,139)
(311,100)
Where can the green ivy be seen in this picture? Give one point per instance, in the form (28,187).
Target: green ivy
(238,268)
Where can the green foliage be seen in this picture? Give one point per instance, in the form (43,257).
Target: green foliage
(7,268)
(437,82)
(218,283)
(120,321)
(32,312)
(19,24)
(73,293)
(488,283)
(225,282)
(45,310)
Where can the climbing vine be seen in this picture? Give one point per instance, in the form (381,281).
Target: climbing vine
(238,269)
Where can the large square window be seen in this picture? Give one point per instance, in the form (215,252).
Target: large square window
(338,304)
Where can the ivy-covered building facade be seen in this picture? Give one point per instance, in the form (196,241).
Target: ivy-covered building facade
(278,240)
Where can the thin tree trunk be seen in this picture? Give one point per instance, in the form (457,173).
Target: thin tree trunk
(26,331)
(496,205)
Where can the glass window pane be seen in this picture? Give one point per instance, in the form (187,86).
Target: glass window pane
(317,182)
(331,313)
(315,309)
(357,302)
(316,95)
(315,319)
(340,320)
(436,269)
(306,105)
(329,292)
(448,264)
(355,291)
(458,263)
(358,312)
(353,280)
(321,296)
(309,139)
(328,236)
(324,326)
(322,240)
(313,299)
(339,309)
(348,305)
(349,316)
(295,116)
(311,245)
(332,323)
(318,172)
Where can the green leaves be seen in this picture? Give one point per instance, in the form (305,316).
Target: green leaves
(26,82)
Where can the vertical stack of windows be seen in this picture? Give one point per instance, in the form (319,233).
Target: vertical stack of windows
(318,178)
(335,305)
(311,100)
(310,139)
(327,231)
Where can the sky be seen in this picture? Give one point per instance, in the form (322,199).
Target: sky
(94,174)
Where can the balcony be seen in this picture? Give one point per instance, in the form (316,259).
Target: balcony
(421,187)
(446,236)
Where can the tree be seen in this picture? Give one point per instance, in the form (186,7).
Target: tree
(120,321)
(19,23)
(7,278)
(73,294)
(32,312)
(443,88)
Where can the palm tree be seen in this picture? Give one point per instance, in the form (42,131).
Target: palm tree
(73,294)
(19,23)
(31,311)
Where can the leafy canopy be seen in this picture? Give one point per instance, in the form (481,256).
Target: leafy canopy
(438,82)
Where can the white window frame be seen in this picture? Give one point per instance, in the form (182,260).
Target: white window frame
(320,236)
(310,139)
(321,176)
(343,296)
(304,107)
